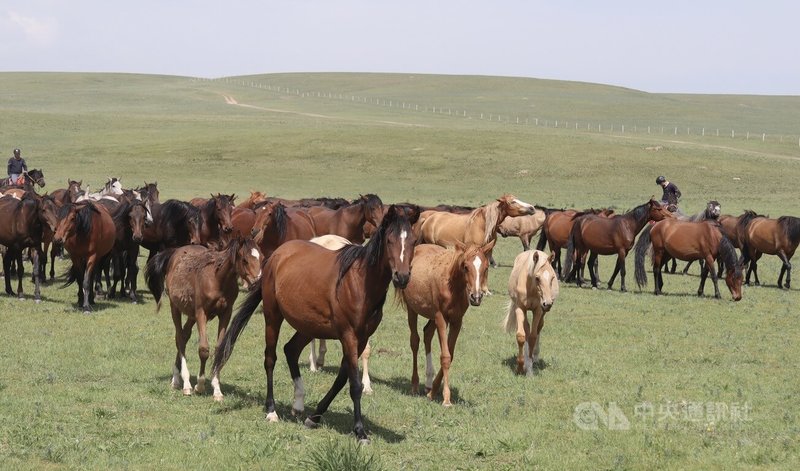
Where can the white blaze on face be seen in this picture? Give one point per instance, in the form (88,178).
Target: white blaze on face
(522,203)
(403,236)
(477,264)
(254,253)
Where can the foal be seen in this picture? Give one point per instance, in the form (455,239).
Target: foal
(201,283)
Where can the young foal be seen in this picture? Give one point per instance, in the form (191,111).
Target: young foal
(201,283)
(532,286)
(445,283)
(326,294)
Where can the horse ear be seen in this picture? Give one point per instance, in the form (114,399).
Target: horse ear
(487,247)
(460,246)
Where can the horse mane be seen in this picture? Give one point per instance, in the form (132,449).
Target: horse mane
(122,212)
(546,210)
(746,218)
(791,226)
(455,269)
(640,212)
(228,252)
(177,210)
(370,201)
(83,218)
(281,220)
(491,214)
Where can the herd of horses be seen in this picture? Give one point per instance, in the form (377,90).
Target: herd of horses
(306,262)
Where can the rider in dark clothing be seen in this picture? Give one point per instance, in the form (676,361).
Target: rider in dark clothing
(671,192)
(16,166)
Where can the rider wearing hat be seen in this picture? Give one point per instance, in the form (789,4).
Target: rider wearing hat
(671,192)
(16,167)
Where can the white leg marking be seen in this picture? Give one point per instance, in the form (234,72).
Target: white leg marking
(312,357)
(403,236)
(429,370)
(187,385)
(176,377)
(299,395)
(477,264)
(217,389)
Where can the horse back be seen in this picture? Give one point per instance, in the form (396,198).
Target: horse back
(766,235)
(428,289)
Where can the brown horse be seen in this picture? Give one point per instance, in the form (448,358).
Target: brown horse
(477,228)
(130,219)
(688,240)
(255,198)
(215,218)
(275,224)
(608,236)
(524,227)
(69,194)
(23,223)
(762,235)
(532,286)
(87,231)
(326,294)
(445,283)
(202,284)
(30,179)
(348,221)
(557,228)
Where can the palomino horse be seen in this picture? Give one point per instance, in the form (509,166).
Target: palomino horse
(201,283)
(23,223)
(532,286)
(348,221)
(608,236)
(524,227)
(688,240)
(87,231)
(275,225)
(326,294)
(477,228)
(445,283)
(315,362)
(34,177)
(557,227)
(763,235)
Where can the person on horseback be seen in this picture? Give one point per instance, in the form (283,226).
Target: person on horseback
(16,168)
(671,193)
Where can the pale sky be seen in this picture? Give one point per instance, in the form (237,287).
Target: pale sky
(685,46)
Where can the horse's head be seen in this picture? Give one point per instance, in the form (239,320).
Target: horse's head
(473,261)
(657,211)
(733,278)
(112,187)
(137,218)
(400,241)
(66,223)
(74,189)
(150,192)
(713,210)
(223,207)
(265,217)
(248,260)
(48,212)
(37,177)
(543,275)
(373,208)
(194,224)
(513,206)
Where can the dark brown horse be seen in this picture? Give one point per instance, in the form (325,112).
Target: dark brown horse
(87,231)
(130,219)
(688,240)
(175,224)
(23,223)
(327,294)
(348,221)
(31,179)
(608,236)
(762,235)
(276,224)
(69,194)
(202,284)
(215,218)
(557,227)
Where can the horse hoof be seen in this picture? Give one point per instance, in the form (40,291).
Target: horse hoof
(447,404)
(218,398)
(37,301)
(199,389)
(272,417)
(310,423)
(296,413)
(87,311)
(364,441)
(187,391)
(367,391)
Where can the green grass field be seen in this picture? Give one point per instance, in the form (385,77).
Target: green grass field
(703,383)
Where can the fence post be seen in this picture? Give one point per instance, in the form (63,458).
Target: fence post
(676,130)
(763,137)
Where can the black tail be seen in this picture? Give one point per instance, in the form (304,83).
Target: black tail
(569,259)
(238,324)
(155,272)
(642,246)
(542,240)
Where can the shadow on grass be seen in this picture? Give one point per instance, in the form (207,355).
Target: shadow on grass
(511,364)
(403,386)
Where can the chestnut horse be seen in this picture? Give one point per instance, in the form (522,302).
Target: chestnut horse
(348,221)
(202,284)
(23,224)
(524,227)
(326,294)
(532,286)
(557,227)
(608,236)
(275,224)
(477,228)
(445,283)
(255,198)
(762,235)
(687,240)
(88,233)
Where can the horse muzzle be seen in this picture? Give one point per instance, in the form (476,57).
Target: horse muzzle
(475,299)
(546,305)
(400,280)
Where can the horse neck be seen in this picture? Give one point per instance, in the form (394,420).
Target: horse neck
(635,219)
(492,217)
(456,278)
(225,263)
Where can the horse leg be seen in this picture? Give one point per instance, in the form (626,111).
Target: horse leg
(414,343)
(222,328)
(709,262)
(7,260)
(88,292)
(658,282)
(53,252)
(786,268)
(116,261)
(686,268)
(536,357)
(621,264)
(20,274)
(590,263)
(428,331)
(703,275)
(557,261)
(526,241)
(323,349)
(674,266)
(445,359)
(201,317)
(523,330)
(365,367)
(292,350)
(754,268)
(452,337)
(131,273)
(312,356)
(272,329)
(180,369)
(617,271)
(533,341)
(38,256)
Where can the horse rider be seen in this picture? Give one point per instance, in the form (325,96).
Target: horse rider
(16,168)
(671,193)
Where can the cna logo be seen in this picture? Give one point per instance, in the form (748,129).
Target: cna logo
(592,416)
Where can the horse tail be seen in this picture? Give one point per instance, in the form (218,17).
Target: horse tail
(238,324)
(509,324)
(72,276)
(155,272)
(542,239)
(642,246)
(569,259)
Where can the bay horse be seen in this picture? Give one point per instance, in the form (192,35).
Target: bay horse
(711,212)
(477,228)
(524,227)
(69,194)
(175,224)
(215,218)
(687,240)
(763,235)
(348,221)
(87,231)
(608,236)
(23,223)
(532,286)
(557,227)
(275,225)
(202,284)
(326,294)
(31,179)
(255,198)
(130,220)
(445,283)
